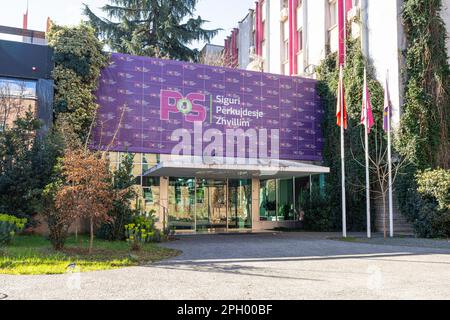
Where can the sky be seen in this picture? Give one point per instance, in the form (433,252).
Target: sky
(221,14)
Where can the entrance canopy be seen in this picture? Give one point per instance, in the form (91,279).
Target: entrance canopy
(233,168)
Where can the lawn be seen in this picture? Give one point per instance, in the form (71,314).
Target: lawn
(31,255)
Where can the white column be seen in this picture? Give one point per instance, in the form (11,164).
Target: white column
(255,203)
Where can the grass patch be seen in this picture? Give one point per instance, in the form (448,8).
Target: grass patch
(32,255)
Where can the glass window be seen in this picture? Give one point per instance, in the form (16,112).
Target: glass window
(302,195)
(240,204)
(16,98)
(211,205)
(18,88)
(113,156)
(150,181)
(151,198)
(277,200)
(137,169)
(300,15)
(286,208)
(332,13)
(149,161)
(268,200)
(300,40)
(286,51)
(182,204)
(136,157)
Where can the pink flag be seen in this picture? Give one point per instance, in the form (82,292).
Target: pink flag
(367,107)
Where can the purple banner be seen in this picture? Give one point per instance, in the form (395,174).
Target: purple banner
(150,98)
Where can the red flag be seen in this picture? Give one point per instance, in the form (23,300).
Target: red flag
(25,20)
(367,107)
(341,106)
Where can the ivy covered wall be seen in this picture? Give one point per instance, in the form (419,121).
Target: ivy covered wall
(324,211)
(79,58)
(424,132)
(425,122)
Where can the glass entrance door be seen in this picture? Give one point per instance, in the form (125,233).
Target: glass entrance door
(207,205)
(211,205)
(240,204)
(181,204)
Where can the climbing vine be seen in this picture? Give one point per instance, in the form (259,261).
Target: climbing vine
(425,122)
(423,136)
(354,78)
(78,58)
(424,130)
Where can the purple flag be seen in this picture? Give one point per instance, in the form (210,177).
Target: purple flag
(387,108)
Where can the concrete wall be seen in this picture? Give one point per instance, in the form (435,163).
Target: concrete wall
(81,226)
(316,32)
(385,40)
(273,31)
(314,28)
(401,224)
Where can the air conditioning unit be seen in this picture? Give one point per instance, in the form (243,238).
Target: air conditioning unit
(284,15)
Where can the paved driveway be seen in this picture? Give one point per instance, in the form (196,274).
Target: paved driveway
(264,266)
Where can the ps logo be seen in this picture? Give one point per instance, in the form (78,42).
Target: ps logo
(191,106)
(184,106)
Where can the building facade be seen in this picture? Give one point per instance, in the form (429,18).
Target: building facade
(292,37)
(211,54)
(215,149)
(25,78)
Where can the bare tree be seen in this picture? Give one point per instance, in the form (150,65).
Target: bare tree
(218,59)
(379,168)
(96,121)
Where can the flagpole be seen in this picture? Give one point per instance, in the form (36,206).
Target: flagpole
(369,231)
(389,131)
(344,206)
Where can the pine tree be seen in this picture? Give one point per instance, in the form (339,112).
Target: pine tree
(163,28)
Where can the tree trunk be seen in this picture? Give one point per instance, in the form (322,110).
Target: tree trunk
(91,240)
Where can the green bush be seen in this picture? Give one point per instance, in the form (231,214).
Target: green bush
(318,216)
(434,212)
(142,230)
(435,184)
(423,199)
(121,213)
(9,226)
